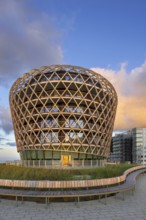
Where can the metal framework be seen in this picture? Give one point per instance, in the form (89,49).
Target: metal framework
(62,109)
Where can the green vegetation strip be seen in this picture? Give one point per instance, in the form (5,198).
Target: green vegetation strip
(26,173)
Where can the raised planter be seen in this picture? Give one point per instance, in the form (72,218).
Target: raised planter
(72,184)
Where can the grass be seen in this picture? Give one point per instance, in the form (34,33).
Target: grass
(26,173)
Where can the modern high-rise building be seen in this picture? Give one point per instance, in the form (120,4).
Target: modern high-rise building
(122,148)
(139,145)
(63,115)
(129,146)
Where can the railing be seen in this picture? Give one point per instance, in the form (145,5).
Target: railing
(58,164)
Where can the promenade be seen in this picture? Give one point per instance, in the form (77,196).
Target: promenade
(133,207)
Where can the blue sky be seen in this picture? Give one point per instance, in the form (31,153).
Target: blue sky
(100,32)
(105,35)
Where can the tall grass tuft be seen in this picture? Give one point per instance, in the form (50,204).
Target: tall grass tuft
(26,173)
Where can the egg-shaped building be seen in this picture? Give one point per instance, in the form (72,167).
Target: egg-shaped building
(63,116)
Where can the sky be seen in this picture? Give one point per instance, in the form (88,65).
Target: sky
(105,36)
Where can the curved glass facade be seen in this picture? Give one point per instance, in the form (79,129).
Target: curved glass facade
(62,110)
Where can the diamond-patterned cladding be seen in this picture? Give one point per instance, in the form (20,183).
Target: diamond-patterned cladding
(63,108)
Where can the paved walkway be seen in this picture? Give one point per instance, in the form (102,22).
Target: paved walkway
(132,208)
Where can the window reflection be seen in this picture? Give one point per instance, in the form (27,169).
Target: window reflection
(73,137)
(48,123)
(74,123)
(55,137)
(50,108)
(49,137)
(55,109)
(45,138)
(74,109)
(46,109)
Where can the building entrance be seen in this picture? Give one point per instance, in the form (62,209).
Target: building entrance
(65,159)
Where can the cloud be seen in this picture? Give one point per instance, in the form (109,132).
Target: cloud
(131,90)
(9,153)
(28,39)
(3,139)
(5,121)
(11,144)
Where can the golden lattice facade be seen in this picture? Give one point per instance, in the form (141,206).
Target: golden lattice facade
(63,113)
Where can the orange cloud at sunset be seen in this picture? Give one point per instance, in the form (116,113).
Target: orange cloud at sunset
(131,91)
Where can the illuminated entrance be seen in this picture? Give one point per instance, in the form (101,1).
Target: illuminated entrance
(65,159)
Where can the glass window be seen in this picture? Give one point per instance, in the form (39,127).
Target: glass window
(43,78)
(67,123)
(55,93)
(78,95)
(42,136)
(46,123)
(55,109)
(66,109)
(80,135)
(40,154)
(48,154)
(33,154)
(56,155)
(89,81)
(72,108)
(66,93)
(67,77)
(72,135)
(55,137)
(51,122)
(90,124)
(55,123)
(67,137)
(81,123)
(46,109)
(54,77)
(139,135)
(72,123)
(78,79)
(28,155)
(49,138)
(46,138)
(79,110)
